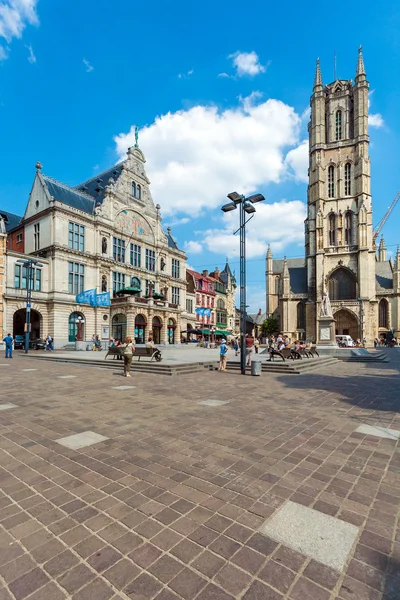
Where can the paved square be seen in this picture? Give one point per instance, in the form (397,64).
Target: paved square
(324,538)
(124,387)
(382,432)
(8,406)
(66,376)
(29,370)
(81,440)
(214,402)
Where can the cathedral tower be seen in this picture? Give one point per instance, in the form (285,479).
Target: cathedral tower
(340,252)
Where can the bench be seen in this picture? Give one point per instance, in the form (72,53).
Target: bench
(313,351)
(114,351)
(148,353)
(284,353)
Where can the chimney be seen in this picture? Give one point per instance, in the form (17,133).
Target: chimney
(216,273)
(205,273)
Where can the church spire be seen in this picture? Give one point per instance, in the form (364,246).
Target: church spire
(397,260)
(269,251)
(382,250)
(360,73)
(285,272)
(317,78)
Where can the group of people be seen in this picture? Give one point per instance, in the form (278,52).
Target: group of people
(9,344)
(251,344)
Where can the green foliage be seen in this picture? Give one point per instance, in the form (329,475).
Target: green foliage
(270,326)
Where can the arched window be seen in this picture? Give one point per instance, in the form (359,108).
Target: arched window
(331,181)
(342,285)
(133,189)
(139,192)
(348,228)
(383,314)
(332,229)
(135,283)
(220,304)
(338,125)
(301,316)
(347,179)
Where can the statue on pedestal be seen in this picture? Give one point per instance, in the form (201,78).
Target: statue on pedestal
(326,308)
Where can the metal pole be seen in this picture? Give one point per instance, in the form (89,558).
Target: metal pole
(242,287)
(29,267)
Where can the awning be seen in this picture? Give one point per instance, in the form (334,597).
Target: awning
(129,291)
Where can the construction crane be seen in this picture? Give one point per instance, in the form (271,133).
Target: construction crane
(385,218)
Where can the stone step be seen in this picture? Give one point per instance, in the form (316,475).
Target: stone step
(289,367)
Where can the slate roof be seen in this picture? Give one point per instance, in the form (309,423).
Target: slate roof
(277,265)
(256,318)
(298,280)
(383,275)
(10,220)
(63,193)
(171,241)
(95,186)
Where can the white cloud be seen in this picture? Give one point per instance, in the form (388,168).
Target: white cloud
(255,299)
(31,57)
(297,159)
(176,221)
(3,53)
(196,156)
(225,75)
(14,16)
(88,66)
(376,120)
(193,247)
(247,63)
(185,75)
(280,224)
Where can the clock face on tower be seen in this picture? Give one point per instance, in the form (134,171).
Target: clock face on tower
(131,223)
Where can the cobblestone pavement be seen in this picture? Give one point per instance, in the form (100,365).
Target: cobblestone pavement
(171,505)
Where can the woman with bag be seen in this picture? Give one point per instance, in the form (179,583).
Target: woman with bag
(128,351)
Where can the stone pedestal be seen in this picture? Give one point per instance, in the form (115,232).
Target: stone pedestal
(326,332)
(80,345)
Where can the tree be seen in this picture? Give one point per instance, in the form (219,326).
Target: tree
(270,326)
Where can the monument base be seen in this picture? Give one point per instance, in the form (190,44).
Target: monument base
(326,332)
(80,345)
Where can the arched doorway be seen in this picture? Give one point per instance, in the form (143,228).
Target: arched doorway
(342,285)
(383,314)
(171,331)
(19,320)
(119,327)
(347,324)
(156,326)
(140,329)
(75,320)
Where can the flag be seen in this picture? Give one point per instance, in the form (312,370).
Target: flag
(87,297)
(103,299)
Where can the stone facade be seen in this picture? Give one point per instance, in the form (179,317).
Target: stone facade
(104,234)
(3,241)
(340,252)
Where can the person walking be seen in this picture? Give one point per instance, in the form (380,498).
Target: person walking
(256,344)
(49,343)
(236,346)
(128,351)
(8,340)
(223,349)
(249,341)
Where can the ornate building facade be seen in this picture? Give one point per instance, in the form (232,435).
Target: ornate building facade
(105,235)
(340,252)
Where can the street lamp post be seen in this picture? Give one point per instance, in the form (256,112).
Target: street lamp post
(245,207)
(212,336)
(79,333)
(30,264)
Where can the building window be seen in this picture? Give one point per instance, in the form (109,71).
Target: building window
(198,299)
(331,181)
(277,286)
(118,281)
(189,305)
(383,314)
(175,295)
(76,278)
(347,179)
(301,316)
(150,260)
(19,238)
(338,125)
(36,235)
(76,237)
(21,277)
(119,250)
(135,283)
(136,255)
(133,191)
(348,228)
(139,192)
(342,285)
(332,229)
(221,317)
(176,268)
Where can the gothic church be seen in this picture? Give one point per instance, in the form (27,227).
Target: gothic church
(340,252)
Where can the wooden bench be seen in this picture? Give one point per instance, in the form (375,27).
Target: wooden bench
(284,354)
(148,353)
(313,351)
(114,351)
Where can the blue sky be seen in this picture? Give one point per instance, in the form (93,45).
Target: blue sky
(219,91)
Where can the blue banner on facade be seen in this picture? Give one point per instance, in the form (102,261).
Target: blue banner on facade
(103,299)
(203,312)
(93,298)
(87,297)
(207,312)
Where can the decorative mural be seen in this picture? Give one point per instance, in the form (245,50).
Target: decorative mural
(133,224)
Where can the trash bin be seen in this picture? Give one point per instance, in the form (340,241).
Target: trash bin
(256,367)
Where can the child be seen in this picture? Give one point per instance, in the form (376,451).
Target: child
(223,349)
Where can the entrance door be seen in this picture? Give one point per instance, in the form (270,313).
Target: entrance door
(140,329)
(347,324)
(156,327)
(171,331)
(119,327)
(73,326)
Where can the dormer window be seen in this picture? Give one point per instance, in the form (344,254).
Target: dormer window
(338,125)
